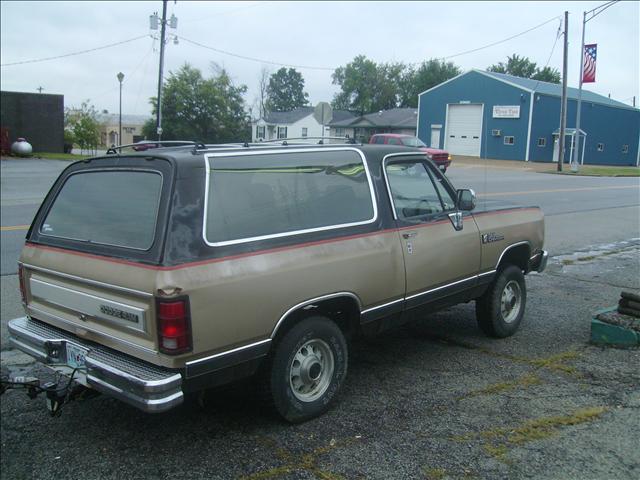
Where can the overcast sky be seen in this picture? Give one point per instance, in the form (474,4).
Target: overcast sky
(320,34)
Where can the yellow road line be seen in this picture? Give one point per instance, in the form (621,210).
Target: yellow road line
(14,227)
(558,190)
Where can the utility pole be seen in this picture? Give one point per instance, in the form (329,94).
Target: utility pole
(163,29)
(596,11)
(153,25)
(120,78)
(563,105)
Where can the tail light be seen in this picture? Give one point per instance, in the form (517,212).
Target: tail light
(174,325)
(23,292)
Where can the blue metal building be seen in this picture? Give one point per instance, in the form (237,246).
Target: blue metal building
(494,115)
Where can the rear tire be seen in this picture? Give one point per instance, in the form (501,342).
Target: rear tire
(500,310)
(306,370)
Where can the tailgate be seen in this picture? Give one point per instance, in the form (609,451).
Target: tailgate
(116,315)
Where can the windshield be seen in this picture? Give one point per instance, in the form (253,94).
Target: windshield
(413,142)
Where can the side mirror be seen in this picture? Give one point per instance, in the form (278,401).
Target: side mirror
(466,199)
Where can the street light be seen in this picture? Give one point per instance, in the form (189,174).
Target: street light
(596,11)
(120,78)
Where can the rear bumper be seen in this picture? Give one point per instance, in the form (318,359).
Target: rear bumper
(145,386)
(539,262)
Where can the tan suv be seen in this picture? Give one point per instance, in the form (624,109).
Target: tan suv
(149,275)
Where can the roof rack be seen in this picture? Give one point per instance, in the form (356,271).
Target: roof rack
(285,141)
(158,143)
(199,147)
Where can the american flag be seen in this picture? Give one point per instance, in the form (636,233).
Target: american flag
(589,72)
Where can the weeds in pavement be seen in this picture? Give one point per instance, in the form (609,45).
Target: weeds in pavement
(307,462)
(499,440)
(521,382)
(434,473)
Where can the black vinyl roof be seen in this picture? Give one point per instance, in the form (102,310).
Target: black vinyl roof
(186,157)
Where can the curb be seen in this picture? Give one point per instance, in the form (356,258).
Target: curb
(603,333)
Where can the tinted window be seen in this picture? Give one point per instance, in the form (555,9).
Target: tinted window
(412,190)
(393,141)
(378,139)
(108,207)
(262,195)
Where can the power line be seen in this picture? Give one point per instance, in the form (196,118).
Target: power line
(144,75)
(310,67)
(253,59)
(502,41)
(73,53)
(558,35)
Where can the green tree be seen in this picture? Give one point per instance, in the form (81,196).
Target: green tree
(286,91)
(83,126)
(525,68)
(210,110)
(367,86)
(429,74)
(548,74)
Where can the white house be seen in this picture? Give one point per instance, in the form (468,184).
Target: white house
(298,123)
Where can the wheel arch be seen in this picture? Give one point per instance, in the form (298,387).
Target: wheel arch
(342,307)
(517,254)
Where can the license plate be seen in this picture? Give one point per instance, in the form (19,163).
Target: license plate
(76,356)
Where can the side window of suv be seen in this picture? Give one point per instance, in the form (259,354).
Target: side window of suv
(254,197)
(416,191)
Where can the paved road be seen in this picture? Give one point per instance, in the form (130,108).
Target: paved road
(23,183)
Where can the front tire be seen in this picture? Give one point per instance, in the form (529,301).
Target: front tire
(307,369)
(500,310)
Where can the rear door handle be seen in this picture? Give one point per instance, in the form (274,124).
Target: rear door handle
(409,235)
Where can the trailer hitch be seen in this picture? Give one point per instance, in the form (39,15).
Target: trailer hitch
(57,393)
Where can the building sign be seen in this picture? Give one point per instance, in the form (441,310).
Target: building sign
(506,111)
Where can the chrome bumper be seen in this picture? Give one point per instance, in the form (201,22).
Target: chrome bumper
(141,384)
(539,262)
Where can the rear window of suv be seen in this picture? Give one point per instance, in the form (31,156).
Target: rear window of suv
(274,194)
(117,208)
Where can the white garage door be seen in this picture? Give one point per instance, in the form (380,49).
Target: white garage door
(464,128)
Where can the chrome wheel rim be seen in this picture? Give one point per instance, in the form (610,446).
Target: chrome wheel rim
(510,301)
(311,370)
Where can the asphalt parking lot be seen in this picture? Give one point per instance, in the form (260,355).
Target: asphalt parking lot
(434,399)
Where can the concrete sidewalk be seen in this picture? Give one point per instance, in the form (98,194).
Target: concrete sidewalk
(475,162)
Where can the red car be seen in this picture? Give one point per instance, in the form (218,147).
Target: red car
(440,157)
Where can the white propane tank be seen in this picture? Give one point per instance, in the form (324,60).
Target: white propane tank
(22,148)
